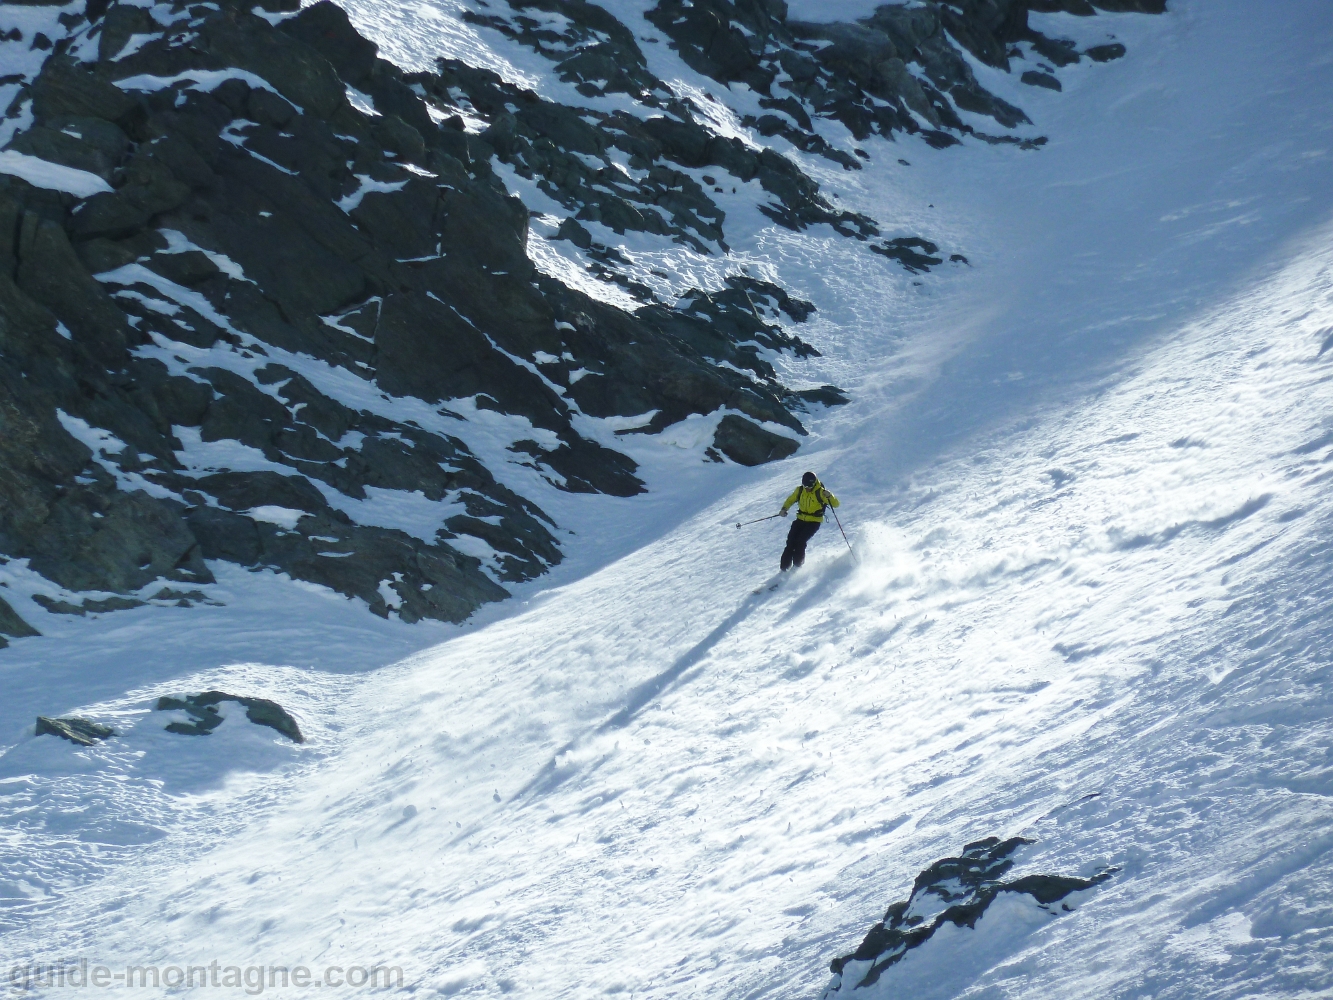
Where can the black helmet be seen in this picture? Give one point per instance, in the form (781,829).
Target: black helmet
(809,479)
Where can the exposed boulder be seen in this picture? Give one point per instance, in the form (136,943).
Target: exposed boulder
(65,88)
(1105,53)
(1037,78)
(89,144)
(295,70)
(913,253)
(747,443)
(324,26)
(955,891)
(119,24)
(75,729)
(202,709)
(824,395)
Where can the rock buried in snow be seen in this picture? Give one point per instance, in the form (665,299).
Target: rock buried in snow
(81,731)
(1036,78)
(94,606)
(202,708)
(824,395)
(1105,53)
(962,888)
(911,252)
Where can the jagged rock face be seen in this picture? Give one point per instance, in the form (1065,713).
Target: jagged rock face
(955,891)
(551,141)
(903,69)
(261,265)
(277,273)
(861,74)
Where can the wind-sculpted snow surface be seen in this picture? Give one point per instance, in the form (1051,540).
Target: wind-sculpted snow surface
(1087,483)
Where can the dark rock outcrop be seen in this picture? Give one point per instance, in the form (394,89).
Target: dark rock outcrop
(954,891)
(11,624)
(913,253)
(1105,53)
(902,69)
(1037,78)
(75,729)
(202,708)
(747,444)
(89,605)
(270,264)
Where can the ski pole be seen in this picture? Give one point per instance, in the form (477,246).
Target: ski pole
(758,519)
(844,535)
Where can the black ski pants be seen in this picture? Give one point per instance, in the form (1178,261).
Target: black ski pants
(799,533)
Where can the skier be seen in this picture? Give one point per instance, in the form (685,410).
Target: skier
(811,499)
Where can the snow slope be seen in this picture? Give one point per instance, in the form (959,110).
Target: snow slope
(1088,481)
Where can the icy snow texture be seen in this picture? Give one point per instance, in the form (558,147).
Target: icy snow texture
(1089,481)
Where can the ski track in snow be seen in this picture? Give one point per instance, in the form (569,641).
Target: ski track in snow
(1089,483)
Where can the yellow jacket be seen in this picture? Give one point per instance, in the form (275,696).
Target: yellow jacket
(811,502)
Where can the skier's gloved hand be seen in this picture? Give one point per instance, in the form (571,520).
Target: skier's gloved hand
(783,512)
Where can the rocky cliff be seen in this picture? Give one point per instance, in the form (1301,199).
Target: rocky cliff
(255,279)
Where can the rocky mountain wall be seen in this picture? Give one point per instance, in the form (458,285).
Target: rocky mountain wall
(254,277)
